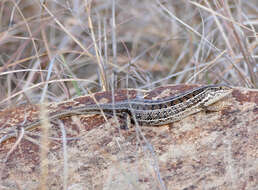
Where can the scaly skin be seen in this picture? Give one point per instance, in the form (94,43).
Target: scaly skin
(146,112)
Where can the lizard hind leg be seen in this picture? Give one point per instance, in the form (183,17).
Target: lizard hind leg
(126,121)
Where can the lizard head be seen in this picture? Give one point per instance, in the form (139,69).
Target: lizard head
(216,93)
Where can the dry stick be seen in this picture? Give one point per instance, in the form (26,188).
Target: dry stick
(44,151)
(15,145)
(64,143)
(208,66)
(102,73)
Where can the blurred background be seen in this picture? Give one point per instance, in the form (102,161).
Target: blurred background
(55,50)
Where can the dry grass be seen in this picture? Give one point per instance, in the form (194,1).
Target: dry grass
(120,44)
(62,49)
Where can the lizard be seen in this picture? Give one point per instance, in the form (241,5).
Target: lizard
(144,111)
